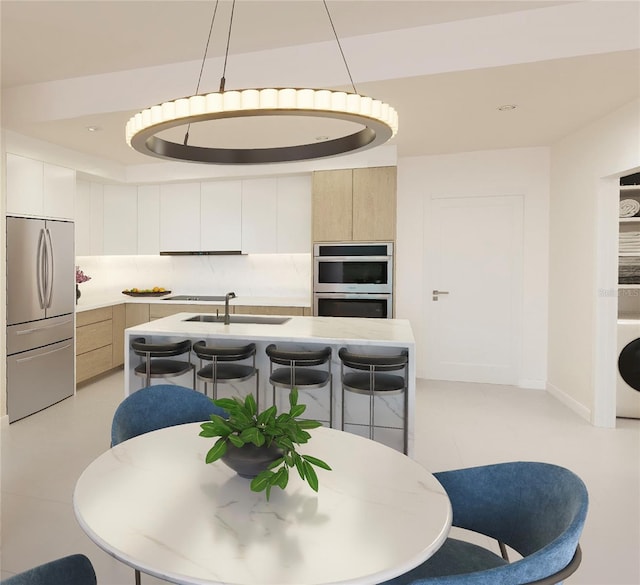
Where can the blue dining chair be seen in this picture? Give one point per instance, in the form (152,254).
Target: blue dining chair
(157,407)
(71,570)
(536,509)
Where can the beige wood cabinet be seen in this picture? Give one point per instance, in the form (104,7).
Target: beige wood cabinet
(256,310)
(100,337)
(136,313)
(100,332)
(94,343)
(157,311)
(354,205)
(117,335)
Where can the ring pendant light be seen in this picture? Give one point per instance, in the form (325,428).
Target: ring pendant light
(378,120)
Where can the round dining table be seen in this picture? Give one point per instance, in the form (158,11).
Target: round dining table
(153,503)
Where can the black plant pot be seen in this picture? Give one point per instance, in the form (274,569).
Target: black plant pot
(249,460)
(78,293)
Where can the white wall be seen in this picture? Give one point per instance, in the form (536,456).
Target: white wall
(582,321)
(500,172)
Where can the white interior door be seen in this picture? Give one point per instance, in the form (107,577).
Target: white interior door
(474,262)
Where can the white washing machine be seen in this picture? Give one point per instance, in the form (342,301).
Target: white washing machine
(628,386)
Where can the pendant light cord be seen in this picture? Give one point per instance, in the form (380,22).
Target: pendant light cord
(339,45)
(204,58)
(226,53)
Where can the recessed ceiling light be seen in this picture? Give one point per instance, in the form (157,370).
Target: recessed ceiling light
(93,128)
(507,107)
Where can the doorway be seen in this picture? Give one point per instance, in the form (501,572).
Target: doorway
(473,294)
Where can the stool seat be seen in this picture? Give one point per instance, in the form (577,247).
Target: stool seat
(223,368)
(286,377)
(300,370)
(161,367)
(384,383)
(227,372)
(155,362)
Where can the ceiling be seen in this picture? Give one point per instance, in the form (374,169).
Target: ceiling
(444,109)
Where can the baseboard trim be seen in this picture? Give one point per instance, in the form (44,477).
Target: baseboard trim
(532,384)
(569,402)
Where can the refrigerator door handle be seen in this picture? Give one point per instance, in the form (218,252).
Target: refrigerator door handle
(43,327)
(40,276)
(35,357)
(49,270)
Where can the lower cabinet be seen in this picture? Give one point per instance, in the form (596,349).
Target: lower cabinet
(100,332)
(94,343)
(100,337)
(157,311)
(256,310)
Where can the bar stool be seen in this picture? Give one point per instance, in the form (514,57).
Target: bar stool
(154,362)
(372,378)
(221,370)
(300,371)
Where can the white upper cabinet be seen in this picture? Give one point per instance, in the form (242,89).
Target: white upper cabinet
(254,216)
(179,217)
(59,190)
(259,216)
(39,189)
(120,219)
(221,216)
(83,218)
(294,214)
(148,219)
(25,185)
(89,223)
(96,195)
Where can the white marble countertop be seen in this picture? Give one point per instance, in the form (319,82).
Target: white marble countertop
(331,330)
(98,300)
(154,504)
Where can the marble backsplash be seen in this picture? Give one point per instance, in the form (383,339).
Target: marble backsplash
(250,275)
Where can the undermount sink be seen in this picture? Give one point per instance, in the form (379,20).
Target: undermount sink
(253,319)
(195,298)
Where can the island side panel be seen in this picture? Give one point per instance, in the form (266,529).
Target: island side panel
(363,336)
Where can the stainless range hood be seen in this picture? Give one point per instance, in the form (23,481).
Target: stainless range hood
(203,253)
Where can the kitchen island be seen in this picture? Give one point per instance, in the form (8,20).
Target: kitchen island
(381,336)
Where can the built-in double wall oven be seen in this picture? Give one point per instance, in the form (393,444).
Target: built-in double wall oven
(353,279)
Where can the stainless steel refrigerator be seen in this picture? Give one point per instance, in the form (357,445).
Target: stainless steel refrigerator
(40,314)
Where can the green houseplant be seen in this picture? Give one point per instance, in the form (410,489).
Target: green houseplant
(246,427)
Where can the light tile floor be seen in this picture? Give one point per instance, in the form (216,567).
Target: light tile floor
(458,425)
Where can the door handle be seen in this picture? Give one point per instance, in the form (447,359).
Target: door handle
(437,293)
(50,269)
(40,276)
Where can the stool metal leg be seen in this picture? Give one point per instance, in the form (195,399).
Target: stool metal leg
(330,400)
(406,411)
(342,397)
(372,383)
(257,389)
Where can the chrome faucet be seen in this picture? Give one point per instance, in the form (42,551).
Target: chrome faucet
(230,295)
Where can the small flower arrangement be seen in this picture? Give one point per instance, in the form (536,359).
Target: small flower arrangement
(81,276)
